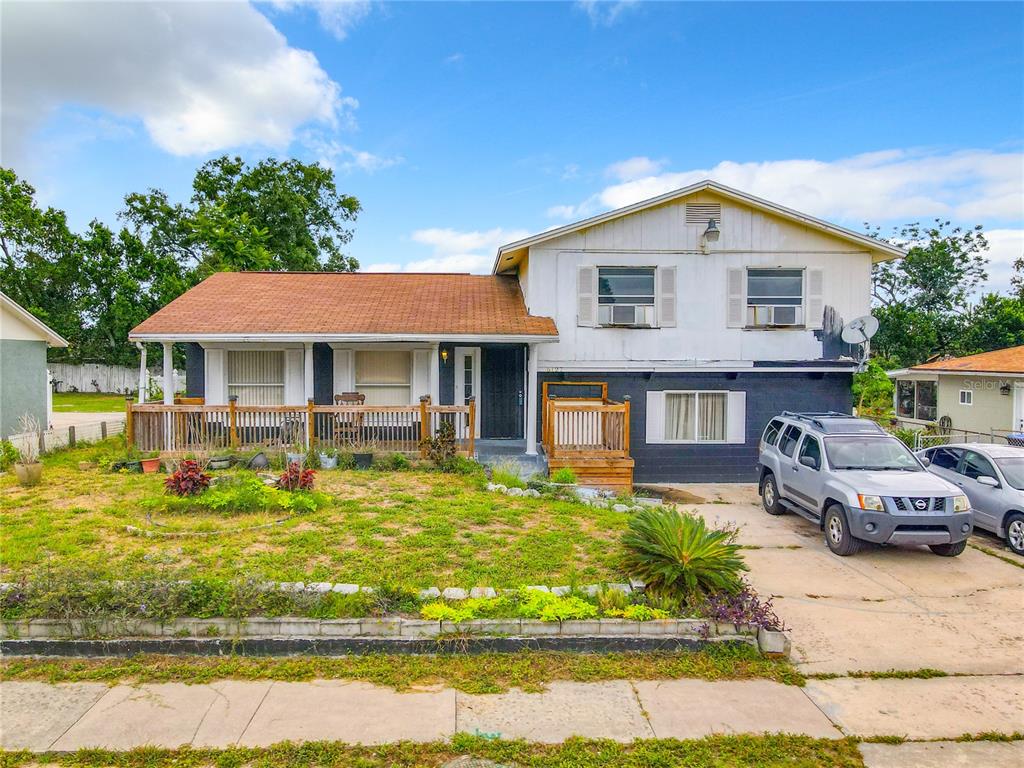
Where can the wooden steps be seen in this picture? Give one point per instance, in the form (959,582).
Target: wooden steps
(613,474)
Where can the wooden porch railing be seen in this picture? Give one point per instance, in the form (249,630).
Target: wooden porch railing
(387,428)
(584,427)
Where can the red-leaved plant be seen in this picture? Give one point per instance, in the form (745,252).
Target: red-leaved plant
(295,478)
(187,480)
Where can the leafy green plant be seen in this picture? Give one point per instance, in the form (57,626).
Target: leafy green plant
(240,494)
(907,436)
(677,553)
(611,600)
(564,476)
(441,611)
(8,455)
(507,474)
(638,613)
(395,462)
(550,607)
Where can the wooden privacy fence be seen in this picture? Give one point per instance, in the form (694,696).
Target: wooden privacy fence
(583,426)
(391,428)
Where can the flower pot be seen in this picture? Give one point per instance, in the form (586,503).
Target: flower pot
(259,461)
(222,462)
(362,460)
(773,643)
(149,466)
(28,474)
(328,462)
(293,458)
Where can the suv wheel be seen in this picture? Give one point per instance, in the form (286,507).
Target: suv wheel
(948,550)
(1015,532)
(770,496)
(837,533)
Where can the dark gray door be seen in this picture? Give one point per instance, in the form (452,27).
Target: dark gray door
(501,395)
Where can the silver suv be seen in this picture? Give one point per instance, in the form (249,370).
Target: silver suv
(858,483)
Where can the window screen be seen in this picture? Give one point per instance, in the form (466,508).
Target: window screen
(256,377)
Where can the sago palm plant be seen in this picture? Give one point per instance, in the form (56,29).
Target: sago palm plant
(676,553)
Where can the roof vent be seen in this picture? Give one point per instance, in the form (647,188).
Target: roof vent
(698,214)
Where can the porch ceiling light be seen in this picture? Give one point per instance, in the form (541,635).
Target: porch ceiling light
(711,234)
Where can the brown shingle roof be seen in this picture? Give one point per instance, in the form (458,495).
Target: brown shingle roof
(1009,360)
(348,303)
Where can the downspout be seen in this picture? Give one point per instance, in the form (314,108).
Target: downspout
(143,379)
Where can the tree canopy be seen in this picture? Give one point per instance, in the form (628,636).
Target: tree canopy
(93,287)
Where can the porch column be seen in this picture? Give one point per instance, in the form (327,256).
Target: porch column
(307,377)
(168,373)
(144,379)
(531,399)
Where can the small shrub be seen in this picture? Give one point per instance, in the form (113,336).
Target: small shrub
(742,607)
(240,494)
(611,600)
(396,462)
(440,611)
(676,553)
(638,613)
(391,598)
(507,474)
(295,478)
(549,607)
(460,465)
(8,455)
(907,436)
(564,476)
(441,448)
(187,480)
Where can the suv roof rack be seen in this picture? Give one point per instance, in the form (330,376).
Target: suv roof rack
(835,422)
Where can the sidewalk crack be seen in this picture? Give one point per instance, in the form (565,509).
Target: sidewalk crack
(91,706)
(253,715)
(643,712)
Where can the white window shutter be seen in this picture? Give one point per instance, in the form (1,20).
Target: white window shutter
(815,303)
(420,374)
(294,373)
(655,432)
(586,293)
(216,377)
(736,301)
(666,297)
(736,418)
(344,371)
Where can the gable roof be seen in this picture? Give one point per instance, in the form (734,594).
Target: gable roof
(324,305)
(46,333)
(879,251)
(1009,360)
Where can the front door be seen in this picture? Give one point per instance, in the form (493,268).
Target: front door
(502,395)
(467,379)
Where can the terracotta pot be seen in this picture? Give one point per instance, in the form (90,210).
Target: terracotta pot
(28,474)
(149,466)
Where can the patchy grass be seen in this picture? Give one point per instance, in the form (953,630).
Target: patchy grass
(88,402)
(925,673)
(417,529)
(476,673)
(1006,558)
(711,752)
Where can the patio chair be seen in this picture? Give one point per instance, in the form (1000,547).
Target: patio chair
(348,427)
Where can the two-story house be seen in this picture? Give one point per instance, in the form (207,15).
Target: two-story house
(706,309)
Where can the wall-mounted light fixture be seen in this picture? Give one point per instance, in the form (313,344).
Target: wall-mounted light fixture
(444,356)
(711,235)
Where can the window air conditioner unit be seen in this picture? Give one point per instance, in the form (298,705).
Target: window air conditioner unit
(775,314)
(626,314)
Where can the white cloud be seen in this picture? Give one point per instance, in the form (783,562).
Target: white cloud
(461,251)
(336,16)
(566,212)
(344,157)
(880,187)
(1005,246)
(455,58)
(201,77)
(605,13)
(635,168)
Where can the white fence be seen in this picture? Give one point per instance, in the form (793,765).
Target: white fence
(113,379)
(52,439)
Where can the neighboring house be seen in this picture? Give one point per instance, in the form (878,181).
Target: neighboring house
(24,383)
(711,309)
(978,393)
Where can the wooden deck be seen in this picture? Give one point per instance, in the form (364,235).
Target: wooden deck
(589,435)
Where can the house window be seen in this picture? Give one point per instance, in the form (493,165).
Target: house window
(625,295)
(966,397)
(775,297)
(696,417)
(384,377)
(256,377)
(917,400)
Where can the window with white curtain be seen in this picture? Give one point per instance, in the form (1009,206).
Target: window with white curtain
(697,417)
(256,377)
(385,377)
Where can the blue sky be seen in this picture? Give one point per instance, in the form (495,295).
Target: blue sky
(462,126)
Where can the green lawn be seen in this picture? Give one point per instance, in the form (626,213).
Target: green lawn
(87,402)
(412,528)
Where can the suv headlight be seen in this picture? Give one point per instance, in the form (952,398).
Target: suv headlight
(961,504)
(870,502)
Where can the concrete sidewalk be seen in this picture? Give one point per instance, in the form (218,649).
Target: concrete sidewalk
(40,717)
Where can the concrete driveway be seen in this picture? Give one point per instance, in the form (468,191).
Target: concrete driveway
(884,608)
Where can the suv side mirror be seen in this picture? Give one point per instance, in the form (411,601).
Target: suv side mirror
(991,482)
(809,461)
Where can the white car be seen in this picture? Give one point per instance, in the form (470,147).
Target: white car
(992,476)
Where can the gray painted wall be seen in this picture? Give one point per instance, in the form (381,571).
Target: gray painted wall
(767,395)
(22,383)
(195,370)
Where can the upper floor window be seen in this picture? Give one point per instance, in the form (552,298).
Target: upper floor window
(916,400)
(625,295)
(775,297)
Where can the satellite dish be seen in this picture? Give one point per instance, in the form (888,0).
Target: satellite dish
(860,329)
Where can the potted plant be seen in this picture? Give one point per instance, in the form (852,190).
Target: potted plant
(221,460)
(328,458)
(27,467)
(295,453)
(150,463)
(362,453)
